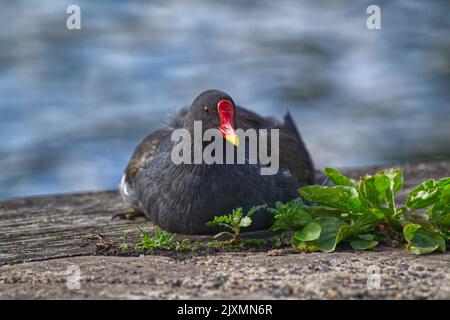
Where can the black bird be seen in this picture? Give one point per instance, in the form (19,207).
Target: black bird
(181,198)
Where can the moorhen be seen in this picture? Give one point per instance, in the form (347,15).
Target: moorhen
(181,198)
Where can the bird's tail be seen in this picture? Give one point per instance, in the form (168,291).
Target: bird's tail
(289,124)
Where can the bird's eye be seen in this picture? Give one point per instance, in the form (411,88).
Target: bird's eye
(206,110)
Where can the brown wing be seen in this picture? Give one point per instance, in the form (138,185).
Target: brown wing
(293,153)
(145,152)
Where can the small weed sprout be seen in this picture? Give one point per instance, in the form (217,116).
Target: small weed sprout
(161,240)
(235,222)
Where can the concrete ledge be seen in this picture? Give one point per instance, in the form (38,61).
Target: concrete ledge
(41,236)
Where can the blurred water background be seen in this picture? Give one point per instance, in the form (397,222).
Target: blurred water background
(74,104)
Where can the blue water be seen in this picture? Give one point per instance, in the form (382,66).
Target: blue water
(75,103)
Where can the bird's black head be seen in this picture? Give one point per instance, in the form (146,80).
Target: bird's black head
(216,110)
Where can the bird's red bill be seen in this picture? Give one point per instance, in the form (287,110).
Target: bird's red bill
(225,108)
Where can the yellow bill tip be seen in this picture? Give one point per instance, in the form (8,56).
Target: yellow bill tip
(232,138)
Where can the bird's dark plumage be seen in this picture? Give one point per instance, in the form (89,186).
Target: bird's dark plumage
(183,197)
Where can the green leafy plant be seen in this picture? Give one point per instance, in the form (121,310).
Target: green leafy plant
(288,218)
(123,247)
(161,240)
(365,211)
(359,213)
(234,221)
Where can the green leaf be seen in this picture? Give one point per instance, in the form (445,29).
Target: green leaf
(381,188)
(236,216)
(422,240)
(295,242)
(309,233)
(367,237)
(245,222)
(298,243)
(338,178)
(443,182)
(321,210)
(440,212)
(363,244)
(330,234)
(374,189)
(396,178)
(424,194)
(290,216)
(224,233)
(224,221)
(255,209)
(395,183)
(341,197)
(161,239)
(367,221)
